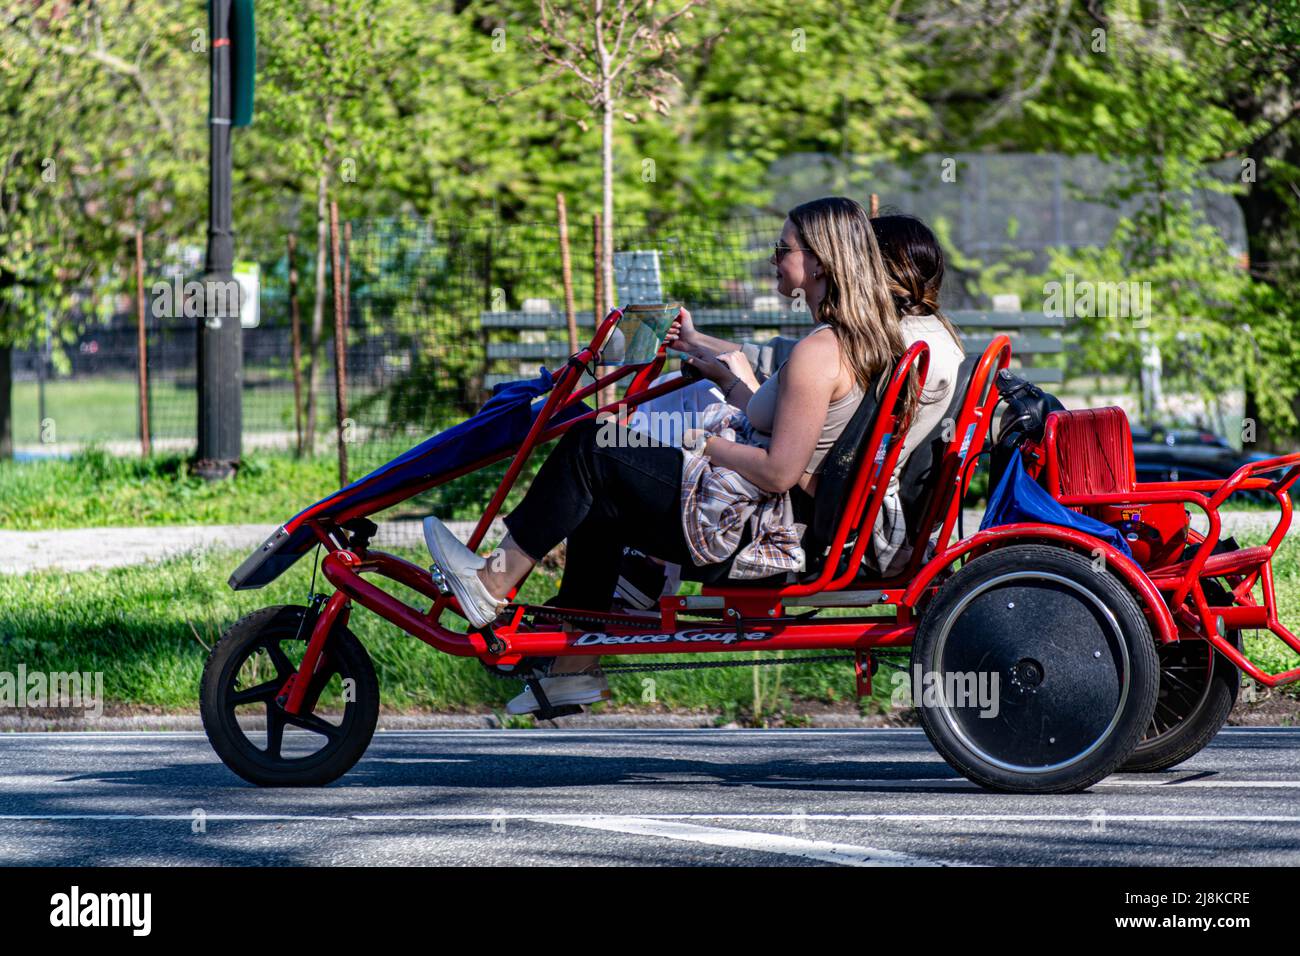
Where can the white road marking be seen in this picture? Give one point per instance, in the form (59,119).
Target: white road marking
(844,854)
(960,783)
(525,734)
(1089,817)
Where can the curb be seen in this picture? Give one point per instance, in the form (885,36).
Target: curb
(401,722)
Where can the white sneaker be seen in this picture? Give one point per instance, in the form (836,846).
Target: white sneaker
(589,687)
(458,564)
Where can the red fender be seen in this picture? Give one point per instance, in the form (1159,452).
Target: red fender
(1020,532)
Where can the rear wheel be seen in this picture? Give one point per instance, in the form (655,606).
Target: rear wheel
(1038,671)
(243,714)
(1198,689)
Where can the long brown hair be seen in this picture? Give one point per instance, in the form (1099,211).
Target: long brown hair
(914,262)
(857,306)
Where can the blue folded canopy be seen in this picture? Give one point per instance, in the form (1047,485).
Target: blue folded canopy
(1019,498)
(500,425)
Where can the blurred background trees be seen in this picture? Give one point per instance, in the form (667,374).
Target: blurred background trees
(409,109)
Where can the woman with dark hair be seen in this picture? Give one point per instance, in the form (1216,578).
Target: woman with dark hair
(604,495)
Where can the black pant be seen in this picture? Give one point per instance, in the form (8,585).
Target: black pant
(604,495)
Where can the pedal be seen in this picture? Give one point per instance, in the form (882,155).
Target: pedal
(545,709)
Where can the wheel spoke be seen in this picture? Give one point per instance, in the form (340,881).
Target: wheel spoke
(283,666)
(275,716)
(257,693)
(313,723)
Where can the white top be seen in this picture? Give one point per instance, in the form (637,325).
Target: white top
(945,358)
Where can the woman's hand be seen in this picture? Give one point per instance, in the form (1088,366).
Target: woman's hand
(694,440)
(708,365)
(681,334)
(740,367)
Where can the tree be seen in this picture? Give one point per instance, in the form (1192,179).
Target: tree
(1168,92)
(91,105)
(327,121)
(618,52)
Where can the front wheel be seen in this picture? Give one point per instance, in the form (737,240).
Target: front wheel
(1038,671)
(246,722)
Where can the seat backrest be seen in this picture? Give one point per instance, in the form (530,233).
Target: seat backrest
(1089,451)
(920,476)
(835,480)
(930,477)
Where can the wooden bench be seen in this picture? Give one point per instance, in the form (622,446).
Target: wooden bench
(525,340)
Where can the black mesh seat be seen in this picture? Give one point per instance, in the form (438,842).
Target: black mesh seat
(917,483)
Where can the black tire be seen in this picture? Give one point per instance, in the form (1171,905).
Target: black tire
(1198,689)
(1074,661)
(230,663)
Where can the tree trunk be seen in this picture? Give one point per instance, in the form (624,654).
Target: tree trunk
(607,198)
(1267,217)
(6,405)
(317,309)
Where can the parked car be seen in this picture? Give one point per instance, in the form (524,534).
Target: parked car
(1161,461)
(1198,437)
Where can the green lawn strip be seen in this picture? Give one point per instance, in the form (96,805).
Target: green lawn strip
(95,489)
(106,408)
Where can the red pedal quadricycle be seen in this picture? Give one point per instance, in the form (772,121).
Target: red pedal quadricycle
(1043,658)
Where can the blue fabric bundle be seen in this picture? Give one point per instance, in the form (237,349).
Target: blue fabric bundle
(1019,498)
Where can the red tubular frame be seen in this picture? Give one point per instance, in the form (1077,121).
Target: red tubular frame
(1183,578)
(746,617)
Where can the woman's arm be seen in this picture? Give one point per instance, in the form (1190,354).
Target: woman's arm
(683,330)
(737,389)
(801,407)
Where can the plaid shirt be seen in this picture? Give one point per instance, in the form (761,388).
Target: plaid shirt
(718,503)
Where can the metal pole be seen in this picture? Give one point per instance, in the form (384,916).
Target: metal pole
(295,328)
(141,346)
(340,345)
(566,271)
(220,358)
(41,372)
(598,292)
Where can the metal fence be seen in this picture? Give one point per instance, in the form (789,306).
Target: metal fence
(437,314)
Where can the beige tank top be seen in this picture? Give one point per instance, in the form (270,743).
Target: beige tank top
(761,413)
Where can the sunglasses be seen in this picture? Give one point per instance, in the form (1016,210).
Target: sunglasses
(780,250)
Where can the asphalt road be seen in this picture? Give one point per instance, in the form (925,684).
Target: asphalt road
(628,797)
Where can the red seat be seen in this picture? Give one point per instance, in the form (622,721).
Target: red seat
(1089,451)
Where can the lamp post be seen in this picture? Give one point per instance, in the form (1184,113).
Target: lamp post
(220,347)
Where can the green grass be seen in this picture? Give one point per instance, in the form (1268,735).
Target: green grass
(106,409)
(94,489)
(141,627)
